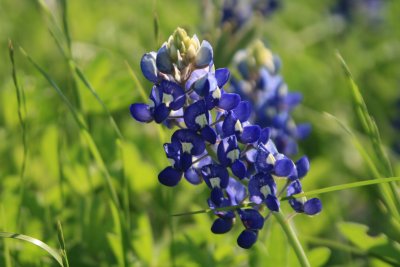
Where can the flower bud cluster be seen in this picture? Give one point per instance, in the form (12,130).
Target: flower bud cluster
(261,84)
(214,142)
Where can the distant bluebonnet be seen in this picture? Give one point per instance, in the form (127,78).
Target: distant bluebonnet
(238,12)
(214,141)
(259,82)
(371,10)
(396,125)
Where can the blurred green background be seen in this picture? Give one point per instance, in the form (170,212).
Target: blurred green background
(63,180)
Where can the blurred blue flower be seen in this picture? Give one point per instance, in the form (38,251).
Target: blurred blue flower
(370,10)
(237,13)
(260,83)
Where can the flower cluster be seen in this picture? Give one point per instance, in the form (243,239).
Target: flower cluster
(261,84)
(238,13)
(214,141)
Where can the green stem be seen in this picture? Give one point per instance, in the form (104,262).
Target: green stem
(292,237)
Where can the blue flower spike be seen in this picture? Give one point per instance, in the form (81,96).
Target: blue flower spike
(260,83)
(216,138)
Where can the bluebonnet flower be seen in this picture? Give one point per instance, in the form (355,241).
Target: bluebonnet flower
(371,10)
(215,141)
(237,13)
(261,84)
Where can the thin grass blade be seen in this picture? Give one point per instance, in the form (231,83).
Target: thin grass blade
(53,253)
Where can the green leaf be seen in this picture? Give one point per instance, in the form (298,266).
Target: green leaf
(319,256)
(379,245)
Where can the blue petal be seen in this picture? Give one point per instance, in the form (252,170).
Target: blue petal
(228,101)
(193,113)
(205,84)
(148,66)
(247,238)
(204,55)
(222,76)
(189,136)
(217,196)
(243,111)
(163,60)
(261,163)
(239,169)
(265,135)
(254,190)
(250,134)
(236,191)
(161,113)
(296,205)
(221,226)
(283,167)
(141,112)
(312,206)
(185,161)
(303,130)
(293,99)
(252,219)
(169,176)
(177,92)
(209,134)
(228,126)
(272,203)
(294,188)
(192,176)
(196,75)
(215,171)
(302,165)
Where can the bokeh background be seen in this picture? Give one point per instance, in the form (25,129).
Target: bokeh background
(62,179)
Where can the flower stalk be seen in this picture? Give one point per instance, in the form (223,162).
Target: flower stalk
(292,238)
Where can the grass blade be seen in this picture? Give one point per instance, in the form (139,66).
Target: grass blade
(344,187)
(103,105)
(21,117)
(53,253)
(389,192)
(84,131)
(61,240)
